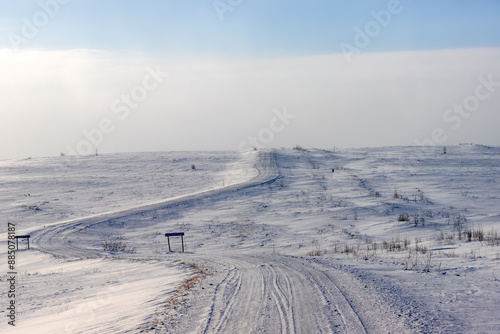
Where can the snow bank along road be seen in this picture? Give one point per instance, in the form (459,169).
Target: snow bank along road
(253,293)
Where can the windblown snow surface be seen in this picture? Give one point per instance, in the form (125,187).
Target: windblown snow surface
(395,240)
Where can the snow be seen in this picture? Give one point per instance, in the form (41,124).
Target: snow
(91,295)
(252,223)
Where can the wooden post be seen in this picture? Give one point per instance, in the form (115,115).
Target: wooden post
(182,240)
(168,238)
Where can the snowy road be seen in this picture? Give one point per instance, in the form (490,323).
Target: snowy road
(58,238)
(277,295)
(281,294)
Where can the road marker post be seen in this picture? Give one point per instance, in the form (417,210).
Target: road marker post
(24,237)
(177,234)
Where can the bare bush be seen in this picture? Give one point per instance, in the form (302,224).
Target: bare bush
(427,262)
(404,217)
(450,254)
(396,244)
(413,260)
(316,251)
(459,222)
(474,233)
(117,246)
(493,238)
(400,196)
(478,233)
(346,249)
(299,148)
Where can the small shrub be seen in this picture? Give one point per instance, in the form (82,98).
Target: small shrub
(404,217)
(406,243)
(315,252)
(459,223)
(478,233)
(493,238)
(299,148)
(471,255)
(418,247)
(422,197)
(412,260)
(474,233)
(427,262)
(117,246)
(468,234)
(450,254)
(400,196)
(449,238)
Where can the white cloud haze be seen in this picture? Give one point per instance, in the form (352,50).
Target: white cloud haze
(50,97)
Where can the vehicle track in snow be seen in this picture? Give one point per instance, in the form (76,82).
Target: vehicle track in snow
(282,294)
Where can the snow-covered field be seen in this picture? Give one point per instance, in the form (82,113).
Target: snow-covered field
(396,239)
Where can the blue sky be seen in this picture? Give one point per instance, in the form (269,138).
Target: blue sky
(63,69)
(259,28)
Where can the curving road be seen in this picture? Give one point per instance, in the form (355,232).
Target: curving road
(56,238)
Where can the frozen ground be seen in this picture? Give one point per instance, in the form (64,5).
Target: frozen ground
(275,242)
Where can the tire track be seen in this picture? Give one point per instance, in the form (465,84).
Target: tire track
(279,296)
(298,299)
(284,300)
(332,297)
(358,311)
(284,294)
(224,298)
(331,292)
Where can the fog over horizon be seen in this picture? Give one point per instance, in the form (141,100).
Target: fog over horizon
(54,100)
